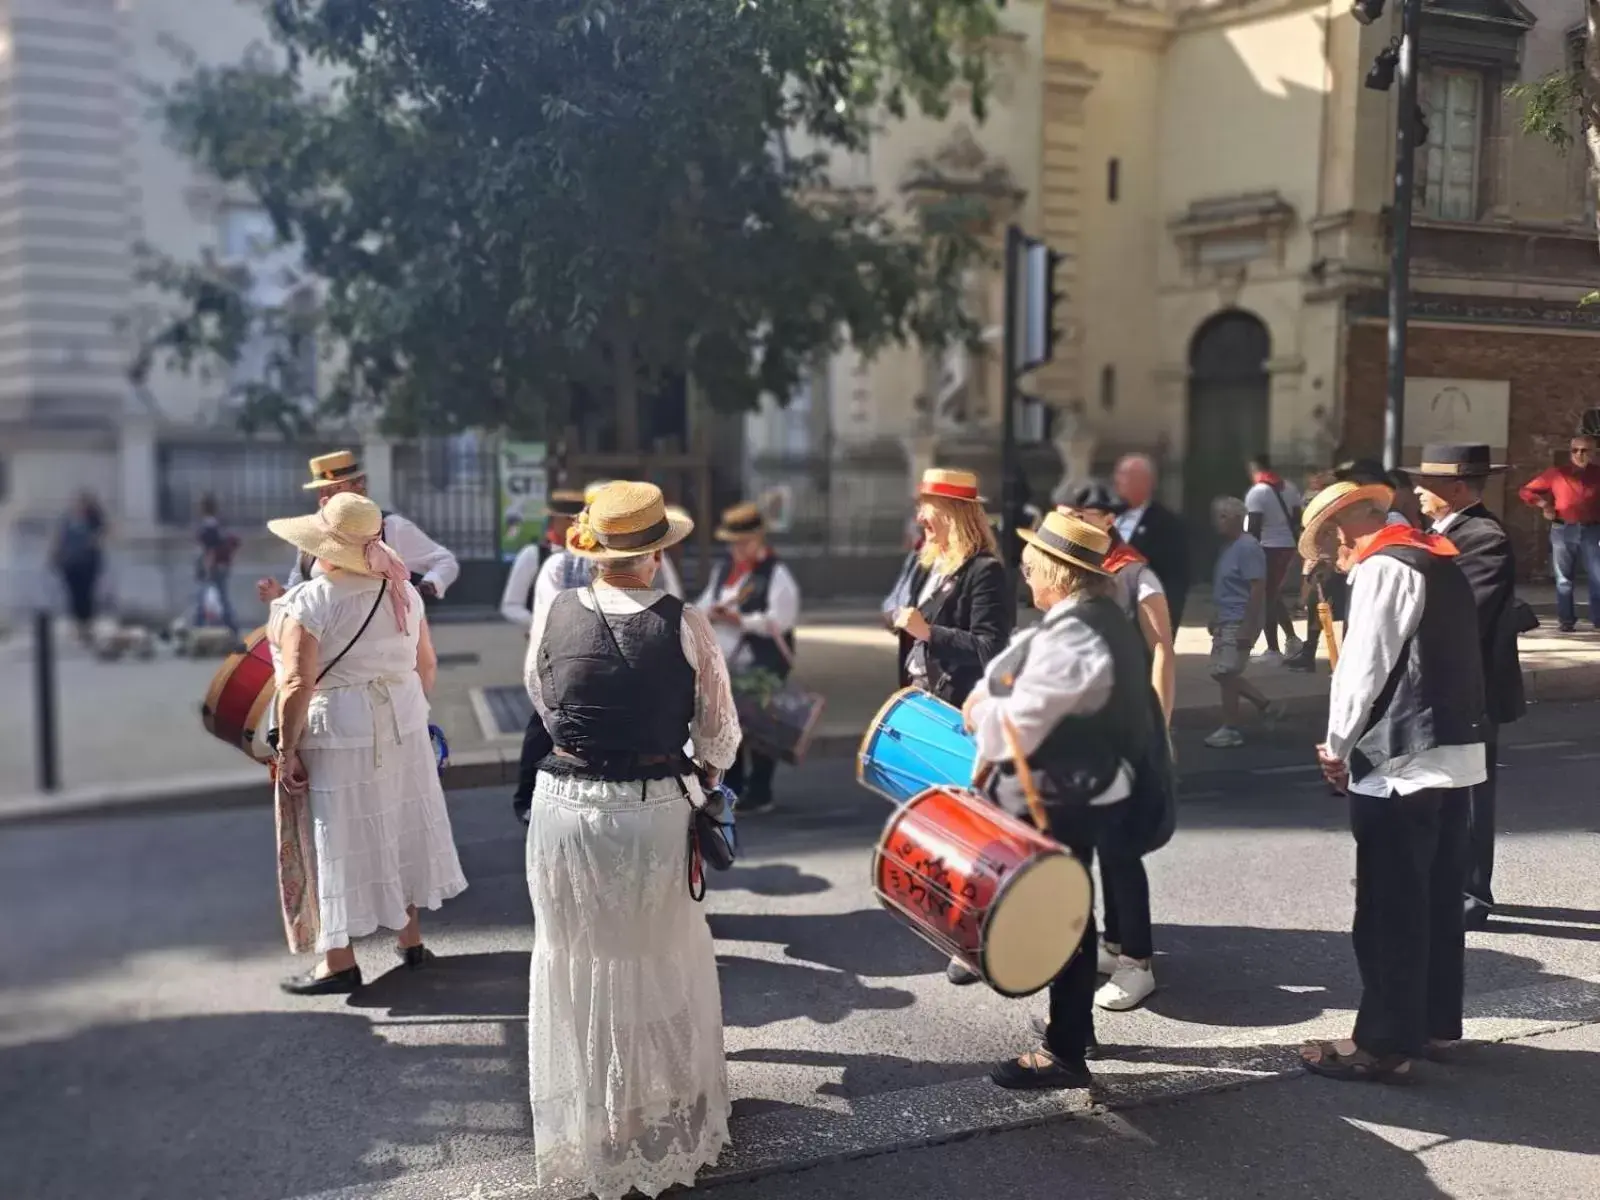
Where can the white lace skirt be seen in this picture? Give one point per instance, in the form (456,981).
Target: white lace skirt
(382,834)
(626,1073)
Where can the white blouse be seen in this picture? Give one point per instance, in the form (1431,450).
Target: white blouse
(714,732)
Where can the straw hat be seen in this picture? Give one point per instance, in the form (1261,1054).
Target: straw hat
(1330,502)
(624,519)
(565,502)
(338,533)
(592,490)
(1071,540)
(950,484)
(328,469)
(741,521)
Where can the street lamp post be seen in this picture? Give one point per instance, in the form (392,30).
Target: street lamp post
(1405,157)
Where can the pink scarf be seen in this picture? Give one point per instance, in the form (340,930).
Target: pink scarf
(382,563)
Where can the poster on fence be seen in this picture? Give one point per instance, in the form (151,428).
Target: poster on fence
(522,496)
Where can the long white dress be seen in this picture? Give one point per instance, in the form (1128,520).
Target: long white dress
(626,1073)
(383,838)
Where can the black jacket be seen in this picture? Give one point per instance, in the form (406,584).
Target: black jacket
(971,615)
(1486,559)
(1163,538)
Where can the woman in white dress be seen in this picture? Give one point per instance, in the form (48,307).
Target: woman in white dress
(626,1071)
(364,836)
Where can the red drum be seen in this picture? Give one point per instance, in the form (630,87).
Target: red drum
(983,887)
(238,705)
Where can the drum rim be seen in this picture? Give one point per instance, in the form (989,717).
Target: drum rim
(873,726)
(223,675)
(994,907)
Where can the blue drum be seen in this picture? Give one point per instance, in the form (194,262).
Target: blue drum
(914,743)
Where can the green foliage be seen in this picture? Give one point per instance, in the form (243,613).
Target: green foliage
(1551,106)
(507,204)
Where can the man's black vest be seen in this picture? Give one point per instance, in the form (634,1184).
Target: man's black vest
(752,598)
(1083,754)
(616,698)
(1434,695)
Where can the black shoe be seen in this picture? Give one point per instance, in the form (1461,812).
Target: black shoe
(416,957)
(1475,915)
(340,983)
(1301,662)
(1568,627)
(958,974)
(1092,1052)
(1051,1072)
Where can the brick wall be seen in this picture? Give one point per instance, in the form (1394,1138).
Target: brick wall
(1553,378)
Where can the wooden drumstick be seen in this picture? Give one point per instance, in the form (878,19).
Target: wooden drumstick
(1025,777)
(1329,630)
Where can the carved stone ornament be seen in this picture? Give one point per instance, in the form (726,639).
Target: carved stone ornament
(1220,236)
(962,167)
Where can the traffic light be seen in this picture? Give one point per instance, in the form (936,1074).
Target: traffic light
(1043,307)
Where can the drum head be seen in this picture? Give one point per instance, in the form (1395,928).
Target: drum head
(1036,924)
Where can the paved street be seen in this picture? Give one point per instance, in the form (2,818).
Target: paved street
(145,1052)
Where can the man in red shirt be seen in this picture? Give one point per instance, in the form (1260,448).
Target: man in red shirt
(1569,496)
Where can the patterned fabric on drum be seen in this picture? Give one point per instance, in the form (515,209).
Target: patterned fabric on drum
(379,824)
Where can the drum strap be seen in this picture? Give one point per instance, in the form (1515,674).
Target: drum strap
(1030,793)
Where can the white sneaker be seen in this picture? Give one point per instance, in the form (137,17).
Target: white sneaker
(1273,713)
(1293,647)
(1271,657)
(1127,988)
(1106,961)
(1225,738)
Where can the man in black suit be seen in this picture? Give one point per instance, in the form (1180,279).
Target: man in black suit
(1449,484)
(1154,530)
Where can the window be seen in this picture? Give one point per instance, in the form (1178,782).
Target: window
(1108,387)
(1453,100)
(1113,179)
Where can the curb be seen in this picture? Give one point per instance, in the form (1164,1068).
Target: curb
(494,767)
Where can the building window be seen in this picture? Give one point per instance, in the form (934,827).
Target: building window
(1453,98)
(277,280)
(1108,387)
(1113,179)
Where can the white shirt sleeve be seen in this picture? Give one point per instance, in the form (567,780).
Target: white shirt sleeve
(514,605)
(783,607)
(1068,671)
(1386,601)
(670,582)
(714,729)
(546,587)
(295,576)
(1255,500)
(421,553)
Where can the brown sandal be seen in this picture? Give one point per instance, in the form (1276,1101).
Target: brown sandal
(1359,1067)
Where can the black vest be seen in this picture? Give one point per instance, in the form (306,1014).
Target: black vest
(616,698)
(1434,695)
(1082,755)
(752,598)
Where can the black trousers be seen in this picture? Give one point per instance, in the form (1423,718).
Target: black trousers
(1071,1028)
(750,777)
(1480,856)
(1410,948)
(1125,898)
(536,744)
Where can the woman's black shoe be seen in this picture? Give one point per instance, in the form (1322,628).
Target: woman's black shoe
(416,957)
(340,983)
(1039,1071)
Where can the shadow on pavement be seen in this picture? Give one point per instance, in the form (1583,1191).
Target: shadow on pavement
(868,942)
(453,985)
(756,992)
(866,1074)
(770,879)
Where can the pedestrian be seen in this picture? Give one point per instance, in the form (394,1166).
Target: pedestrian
(1238,597)
(1449,486)
(79,558)
(1075,693)
(753,603)
(1568,495)
(957,612)
(213,568)
(1154,530)
(1405,743)
(627,1078)
(364,835)
(1272,507)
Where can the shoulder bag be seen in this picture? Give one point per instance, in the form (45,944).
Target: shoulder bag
(383,590)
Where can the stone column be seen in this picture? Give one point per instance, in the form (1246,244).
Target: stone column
(1066,83)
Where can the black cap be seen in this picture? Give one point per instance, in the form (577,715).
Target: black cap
(1095,496)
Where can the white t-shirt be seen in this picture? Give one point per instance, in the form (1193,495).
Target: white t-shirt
(1262,500)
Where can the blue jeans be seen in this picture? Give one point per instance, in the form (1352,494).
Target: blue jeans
(220,580)
(1567,544)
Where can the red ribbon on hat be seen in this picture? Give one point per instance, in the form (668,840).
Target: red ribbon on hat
(955,491)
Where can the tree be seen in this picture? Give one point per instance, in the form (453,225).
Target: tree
(1552,106)
(512,208)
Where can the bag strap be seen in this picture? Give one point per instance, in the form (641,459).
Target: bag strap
(382,591)
(1288,517)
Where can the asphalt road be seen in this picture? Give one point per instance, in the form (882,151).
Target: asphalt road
(146,1053)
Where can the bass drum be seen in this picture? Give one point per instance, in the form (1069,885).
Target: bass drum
(238,705)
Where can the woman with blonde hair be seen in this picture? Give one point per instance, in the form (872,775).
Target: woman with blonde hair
(364,835)
(961,612)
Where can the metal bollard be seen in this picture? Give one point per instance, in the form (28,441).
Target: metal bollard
(44,701)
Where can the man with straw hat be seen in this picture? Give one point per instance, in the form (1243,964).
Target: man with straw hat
(1405,741)
(623,969)
(1449,485)
(753,602)
(1072,694)
(434,567)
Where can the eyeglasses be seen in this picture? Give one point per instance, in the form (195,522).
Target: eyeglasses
(1580,449)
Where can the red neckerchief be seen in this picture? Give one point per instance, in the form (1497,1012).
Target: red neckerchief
(1122,555)
(1271,478)
(1405,535)
(738,571)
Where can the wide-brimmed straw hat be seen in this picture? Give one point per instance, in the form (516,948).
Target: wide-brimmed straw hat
(341,466)
(624,519)
(1071,540)
(1330,502)
(950,484)
(337,534)
(565,502)
(740,522)
(1455,460)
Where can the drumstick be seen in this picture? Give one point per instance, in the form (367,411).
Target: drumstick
(1025,777)
(1325,619)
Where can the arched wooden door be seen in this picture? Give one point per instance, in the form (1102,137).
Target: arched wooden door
(1228,395)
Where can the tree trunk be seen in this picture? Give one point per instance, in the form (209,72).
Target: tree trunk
(625,394)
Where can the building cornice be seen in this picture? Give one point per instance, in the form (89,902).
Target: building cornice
(1441,309)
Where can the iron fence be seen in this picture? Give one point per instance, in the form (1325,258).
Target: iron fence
(251,481)
(451,488)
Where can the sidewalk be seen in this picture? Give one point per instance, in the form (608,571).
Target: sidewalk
(130,734)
